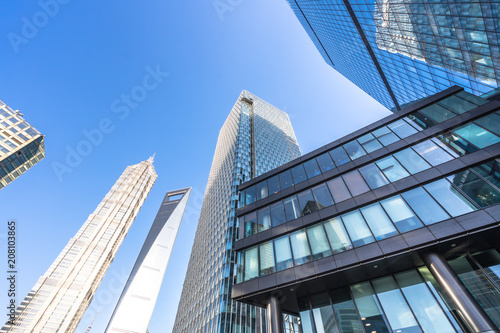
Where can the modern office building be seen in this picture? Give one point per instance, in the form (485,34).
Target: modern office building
(256,137)
(60,297)
(399,51)
(393,228)
(137,301)
(21,145)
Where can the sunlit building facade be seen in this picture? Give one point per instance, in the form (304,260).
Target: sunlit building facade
(21,145)
(60,297)
(392,228)
(255,138)
(400,51)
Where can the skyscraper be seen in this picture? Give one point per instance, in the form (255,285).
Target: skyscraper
(21,145)
(399,51)
(256,137)
(137,301)
(60,297)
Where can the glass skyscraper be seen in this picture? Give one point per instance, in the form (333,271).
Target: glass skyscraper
(400,51)
(255,138)
(21,145)
(60,297)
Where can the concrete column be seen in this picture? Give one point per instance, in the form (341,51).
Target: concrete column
(462,299)
(274,316)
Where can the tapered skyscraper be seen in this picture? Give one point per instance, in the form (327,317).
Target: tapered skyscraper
(136,304)
(60,297)
(255,138)
(399,51)
(21,145)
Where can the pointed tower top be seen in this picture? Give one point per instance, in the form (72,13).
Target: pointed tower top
(152,158)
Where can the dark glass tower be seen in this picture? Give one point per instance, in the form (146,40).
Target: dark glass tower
(399,51)
(255,138)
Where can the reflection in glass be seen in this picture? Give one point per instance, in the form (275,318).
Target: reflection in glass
(285,179)
(402,128)
(476,187)
(292,209)
(250,195)
(357,228)
(476,135)
(312,168)
(345,311)
(378,221)
(338,189)
(369,143)
(251,224)
(300,248)
(318,241)
(426,208)
(411,161)
(339,240)
(449,197)
(391,168)
(432,153)
(385,136)
(264,219)
(369,308)
(266,256)
(277,214)
(401,214)
(354,150)
(251,264)
(323,314)
(307,203)
(322,196)
(373,176)
(355,183)
(325,162)
(283,253)
(273,185)
(299,175)
(262,190)
(339,156)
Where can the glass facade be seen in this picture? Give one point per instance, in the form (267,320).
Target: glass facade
(455,195)
(400,51)
(60,297)
(255,138)
(21,145)
(465,139)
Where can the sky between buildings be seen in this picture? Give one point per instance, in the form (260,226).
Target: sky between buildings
(69,69)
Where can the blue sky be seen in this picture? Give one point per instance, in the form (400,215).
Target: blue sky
(71,75)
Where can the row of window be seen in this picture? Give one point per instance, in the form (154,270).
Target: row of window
(424,155)
(455,195)
(383,136)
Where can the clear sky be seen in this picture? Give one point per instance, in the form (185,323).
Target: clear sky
(71,71)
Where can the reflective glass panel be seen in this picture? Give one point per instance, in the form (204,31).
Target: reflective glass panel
(262,191)
(449,197)
(345,311)
(402,128)
(264,219)
(373,176)
(339,156)
(307,203)
(277,214)
(392,169)
(379,222)
(385,136)
(250,195)
(251,227)
(369,143)
(424,206)
(355,183)
(369,308)
(476,135)
(312,168)
(318,241)
(323,314)
(292,209)
(476,188)
(354,150)
(299,175)
(456,104)
(339,240)
(325,162)
(338,189)
(357,228)
(300,248)
(322,196)
(273,184)
(411,161)
(283,253)
(285,179)
(266,256)
(251,264)
(401,214)
(432,153)
(491,122)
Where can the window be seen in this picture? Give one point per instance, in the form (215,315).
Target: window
(432,153)
(476,135)
(283,253)
(355,183)
(322,196)
(339,240)
(325,162)
(266,257)
(298,174)
(262,190)
(251,264)
(307,203)
(338,189)
(368,307)
(357,228)
(401,214)
(426,208)
(373,176)
(292,209)
(318,241)
(339,156)
(250,195)
(392,169)
(402,128)
(379,222)
(369,143)
(273,184)
(411,161)
(285,179)
(264,219)
(456,104)
(277,214)
(312,168)
(300,248)
(385,136)
(250,224)
(354,150)
(449,197)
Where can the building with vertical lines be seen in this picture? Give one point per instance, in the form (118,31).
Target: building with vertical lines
(256,137)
